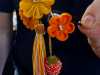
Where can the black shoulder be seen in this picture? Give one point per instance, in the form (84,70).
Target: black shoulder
(6,5)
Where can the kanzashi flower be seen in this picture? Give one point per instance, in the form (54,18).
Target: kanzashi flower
(36,8)
(60,26)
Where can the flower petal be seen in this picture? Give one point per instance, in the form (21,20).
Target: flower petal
(44,10)
(25,19)
(25,5)
(54,21)
(61,36)
(65,18)
(27,0)
(28,13)
(31,24)
(36,13)
(52,30)
(69,27)
(48,2)
(65,31)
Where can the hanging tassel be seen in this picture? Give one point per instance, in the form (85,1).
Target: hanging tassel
(39,55)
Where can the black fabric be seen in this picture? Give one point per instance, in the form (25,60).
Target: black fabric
(6,5)
(9,66)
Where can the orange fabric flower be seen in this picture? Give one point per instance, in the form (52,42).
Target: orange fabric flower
(60,26)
